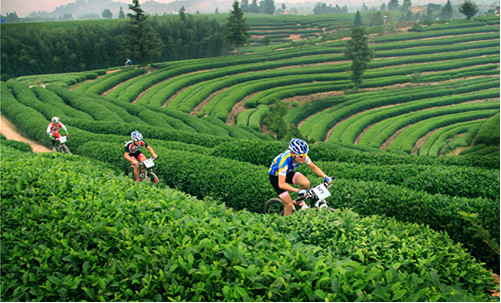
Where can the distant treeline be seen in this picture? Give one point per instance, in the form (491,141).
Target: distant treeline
(57,47)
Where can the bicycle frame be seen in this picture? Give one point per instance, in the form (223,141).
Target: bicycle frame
(145,170)
(316,197)
(61,145)
(317,194)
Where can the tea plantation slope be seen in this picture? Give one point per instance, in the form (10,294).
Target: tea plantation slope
(75,108)
(468,50)
(401,195)
(79,232)
(228,180)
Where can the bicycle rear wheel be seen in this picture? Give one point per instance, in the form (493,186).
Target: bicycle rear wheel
(327,208)
(274,206)
(130,172)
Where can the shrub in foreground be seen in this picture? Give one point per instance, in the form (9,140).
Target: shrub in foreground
(79,232)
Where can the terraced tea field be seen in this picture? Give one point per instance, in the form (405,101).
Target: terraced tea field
(445,77)
(74,228)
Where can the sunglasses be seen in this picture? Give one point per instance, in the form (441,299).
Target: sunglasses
(302,156)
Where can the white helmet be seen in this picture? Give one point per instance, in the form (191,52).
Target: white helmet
(298,146)
(136,136)
(55,119)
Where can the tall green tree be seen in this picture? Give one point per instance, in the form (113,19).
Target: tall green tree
(446,12)
(469,9)
(406,5)
(245,5)
(393,5)
(358,19)
(253,7)
(121,13)
(141,43)
(182,13)
(267,7)
(274,121)
(236,31)
(357,49)
(107,14)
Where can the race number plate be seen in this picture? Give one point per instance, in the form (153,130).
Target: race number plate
(148,163)
(321,192)
(62,139)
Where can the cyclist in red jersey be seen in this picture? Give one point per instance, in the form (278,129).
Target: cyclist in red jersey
(133,153)
(53,130)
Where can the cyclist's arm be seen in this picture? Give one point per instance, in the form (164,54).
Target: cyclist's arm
(152,152)
(64,127)
(48,130)
(284,185)
(316,170)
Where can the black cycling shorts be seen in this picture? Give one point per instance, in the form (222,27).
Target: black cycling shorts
(288,178)
(136,155)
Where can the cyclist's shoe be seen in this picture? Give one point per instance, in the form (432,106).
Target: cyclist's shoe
(303,205)
(138,180)
(53,148)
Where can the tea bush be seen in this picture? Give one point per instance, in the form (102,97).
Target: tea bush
(22,146)
(72,230)
(243,185)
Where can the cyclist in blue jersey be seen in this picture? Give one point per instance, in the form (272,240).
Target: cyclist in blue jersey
(282,174)
(133,153)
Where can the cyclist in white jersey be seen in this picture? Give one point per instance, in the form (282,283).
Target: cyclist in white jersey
(282,173)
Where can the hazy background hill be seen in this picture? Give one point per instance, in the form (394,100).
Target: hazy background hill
(92,9)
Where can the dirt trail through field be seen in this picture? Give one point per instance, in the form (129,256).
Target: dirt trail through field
(12,133)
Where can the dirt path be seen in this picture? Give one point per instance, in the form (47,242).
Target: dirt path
(12,133)
(495,293)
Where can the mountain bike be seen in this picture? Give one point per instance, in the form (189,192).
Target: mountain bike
(61,145)
(314,198)
(145,171)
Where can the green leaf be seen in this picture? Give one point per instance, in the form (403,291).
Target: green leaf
(85,267)
(399,294)
(102,284)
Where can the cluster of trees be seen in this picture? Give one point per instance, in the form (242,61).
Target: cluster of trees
(107,14)
(433,11)
(322,8)
(10,18)
(265,6)
(56,48)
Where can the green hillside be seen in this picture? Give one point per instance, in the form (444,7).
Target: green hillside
(444,77)
(74,228)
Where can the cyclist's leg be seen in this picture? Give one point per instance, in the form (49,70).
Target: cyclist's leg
(286,198)
(141,157)
(136,167)
(55,136)
(283,194)
(301,180)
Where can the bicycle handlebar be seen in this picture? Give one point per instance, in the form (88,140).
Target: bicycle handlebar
(310,192)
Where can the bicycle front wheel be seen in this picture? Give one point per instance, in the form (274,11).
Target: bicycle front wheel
(324,207)
(64,149)
(274,206)
(153,177)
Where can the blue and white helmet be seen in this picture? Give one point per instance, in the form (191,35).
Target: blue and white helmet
(136,136)
(298,146)
(55,120)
